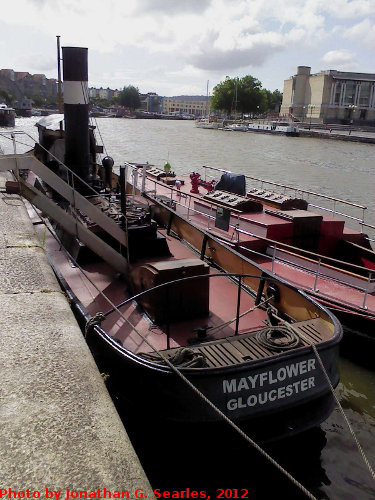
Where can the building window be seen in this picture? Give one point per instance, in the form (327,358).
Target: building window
(364,96)
(338,87)
(350,92)
(363,114)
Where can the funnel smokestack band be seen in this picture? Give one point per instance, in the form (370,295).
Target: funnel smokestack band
(76,111)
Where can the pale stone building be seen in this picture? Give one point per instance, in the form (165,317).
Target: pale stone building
(183,104)
(330,97)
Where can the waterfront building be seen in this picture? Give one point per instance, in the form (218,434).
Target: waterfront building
(151,102)
(7,73)
(22,83)
(192,105)
(101,93)
(330,97)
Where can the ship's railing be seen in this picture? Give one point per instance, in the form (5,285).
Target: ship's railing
(259,296)
(64,186)
(67,174)
(175,196)
(322,263)
(308,193)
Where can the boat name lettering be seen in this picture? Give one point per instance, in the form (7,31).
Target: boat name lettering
(272,395)
(270,377)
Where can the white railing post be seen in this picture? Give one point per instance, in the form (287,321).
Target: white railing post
(188,212)
(135,181)
(144,178)
(17,171)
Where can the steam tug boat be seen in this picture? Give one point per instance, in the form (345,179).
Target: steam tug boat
(162,300)
(306,243)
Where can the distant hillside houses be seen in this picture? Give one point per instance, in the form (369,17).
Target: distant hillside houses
(153,103)
(23,83)
(101,93)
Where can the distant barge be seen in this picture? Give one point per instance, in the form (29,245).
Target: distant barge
(7,116)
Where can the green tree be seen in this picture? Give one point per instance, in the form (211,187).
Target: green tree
(129,97)
(101,103)
(272,100)
(38,100)
(242,95)
(245,95)
(7,97)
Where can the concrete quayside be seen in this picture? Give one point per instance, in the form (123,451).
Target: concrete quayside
(59,428)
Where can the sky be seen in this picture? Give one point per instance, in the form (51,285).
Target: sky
(174,47)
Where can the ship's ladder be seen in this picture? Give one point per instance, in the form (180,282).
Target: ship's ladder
(21,162)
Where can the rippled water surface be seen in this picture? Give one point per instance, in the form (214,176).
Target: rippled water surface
(325,460)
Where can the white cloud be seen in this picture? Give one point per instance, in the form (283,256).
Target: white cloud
(173,6)
(215,37)
(245,51)
(340,59)
(37,62)
(346,9)
(363,31)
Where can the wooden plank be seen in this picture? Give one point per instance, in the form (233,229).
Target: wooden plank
(224,349)
(218,355)
(252,343)
(212,361)
(234,351)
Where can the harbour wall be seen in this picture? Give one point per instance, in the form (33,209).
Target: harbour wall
(59,430)
(342,136)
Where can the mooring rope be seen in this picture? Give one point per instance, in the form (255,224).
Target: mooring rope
(176,370)
(183,357)
(212,405)
(315,350)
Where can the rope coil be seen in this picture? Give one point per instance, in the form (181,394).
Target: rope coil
(278,338)
(183,358)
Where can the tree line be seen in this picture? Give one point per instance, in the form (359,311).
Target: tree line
(233,95)
(244,95)
(128,97)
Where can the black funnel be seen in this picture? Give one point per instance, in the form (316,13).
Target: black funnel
(76,114)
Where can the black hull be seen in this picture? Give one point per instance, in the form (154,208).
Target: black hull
(7,119)
(275,132)
(358,324)
(26,113)
(149,387)
(288,391)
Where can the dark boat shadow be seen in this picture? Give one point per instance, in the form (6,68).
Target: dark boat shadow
(213,456)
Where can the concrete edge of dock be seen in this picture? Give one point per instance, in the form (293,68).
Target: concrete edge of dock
(347,136)
(59,428)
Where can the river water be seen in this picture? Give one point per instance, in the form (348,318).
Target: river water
(325,460)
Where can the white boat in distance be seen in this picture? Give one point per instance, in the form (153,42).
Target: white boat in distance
(274,127)
(206,123)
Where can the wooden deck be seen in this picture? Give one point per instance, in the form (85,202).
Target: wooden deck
(237,349)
